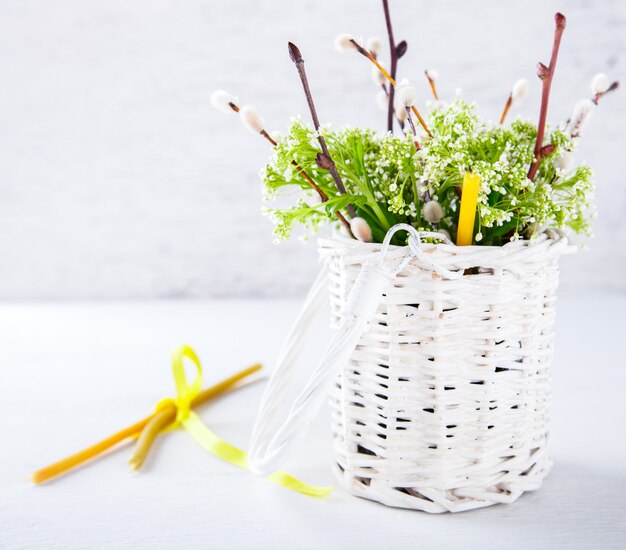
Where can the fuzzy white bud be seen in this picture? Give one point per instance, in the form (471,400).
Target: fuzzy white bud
(431,74)
(564,161)
(582,112)
(432,212)
(519,91)
(382,100)
(378,77)
(361,230)
(343,43)
(406,95)
(221,100)
(251,119)
(400,112)
(599,84)
(373,45)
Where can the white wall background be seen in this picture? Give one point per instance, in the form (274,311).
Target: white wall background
(117,179)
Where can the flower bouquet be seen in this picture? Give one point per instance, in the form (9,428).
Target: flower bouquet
(442,273)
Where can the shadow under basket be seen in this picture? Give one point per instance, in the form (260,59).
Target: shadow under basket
(444,404)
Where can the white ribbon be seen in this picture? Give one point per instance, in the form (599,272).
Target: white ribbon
(271,437)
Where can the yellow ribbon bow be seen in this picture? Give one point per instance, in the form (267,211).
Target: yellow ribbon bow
(172,413)
(191,422)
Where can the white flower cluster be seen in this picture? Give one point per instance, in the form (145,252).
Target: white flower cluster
(387,180)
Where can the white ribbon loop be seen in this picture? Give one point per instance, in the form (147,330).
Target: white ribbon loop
(271,437)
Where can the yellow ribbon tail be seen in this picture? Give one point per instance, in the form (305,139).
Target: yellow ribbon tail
(224,450)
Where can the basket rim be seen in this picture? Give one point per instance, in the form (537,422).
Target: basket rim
(337,238)
(510,256)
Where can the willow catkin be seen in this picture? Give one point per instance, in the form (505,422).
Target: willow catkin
(251,119)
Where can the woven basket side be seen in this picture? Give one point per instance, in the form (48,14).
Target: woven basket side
(444,405)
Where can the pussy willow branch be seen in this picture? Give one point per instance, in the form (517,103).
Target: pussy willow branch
(323,196)
(433,86)
(412,125)
(391,80)
(546,74)
(327,161)
(507,106)
(393,66)
(597,97)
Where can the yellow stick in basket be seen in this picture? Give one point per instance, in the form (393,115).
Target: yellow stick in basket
(467,213)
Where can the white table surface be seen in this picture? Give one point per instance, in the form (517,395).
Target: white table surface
(74,372)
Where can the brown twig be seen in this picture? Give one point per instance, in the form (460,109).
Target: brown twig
(546,74)
(324,160)
(392,81)
(507,106)
(269,138)
(393,66)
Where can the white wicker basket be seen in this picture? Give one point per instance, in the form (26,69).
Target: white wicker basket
(444,404)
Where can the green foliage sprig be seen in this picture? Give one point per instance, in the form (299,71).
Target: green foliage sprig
(389,181)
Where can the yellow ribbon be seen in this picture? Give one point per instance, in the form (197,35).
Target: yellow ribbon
(191,422)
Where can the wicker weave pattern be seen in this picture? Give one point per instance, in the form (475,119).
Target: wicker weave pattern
(444,405)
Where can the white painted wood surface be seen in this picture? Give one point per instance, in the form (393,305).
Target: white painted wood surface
(73,372)
(118,179)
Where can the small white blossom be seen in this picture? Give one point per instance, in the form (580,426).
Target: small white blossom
(221,100)
(599,84)
(361,230)
(251,119)
(478,237)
